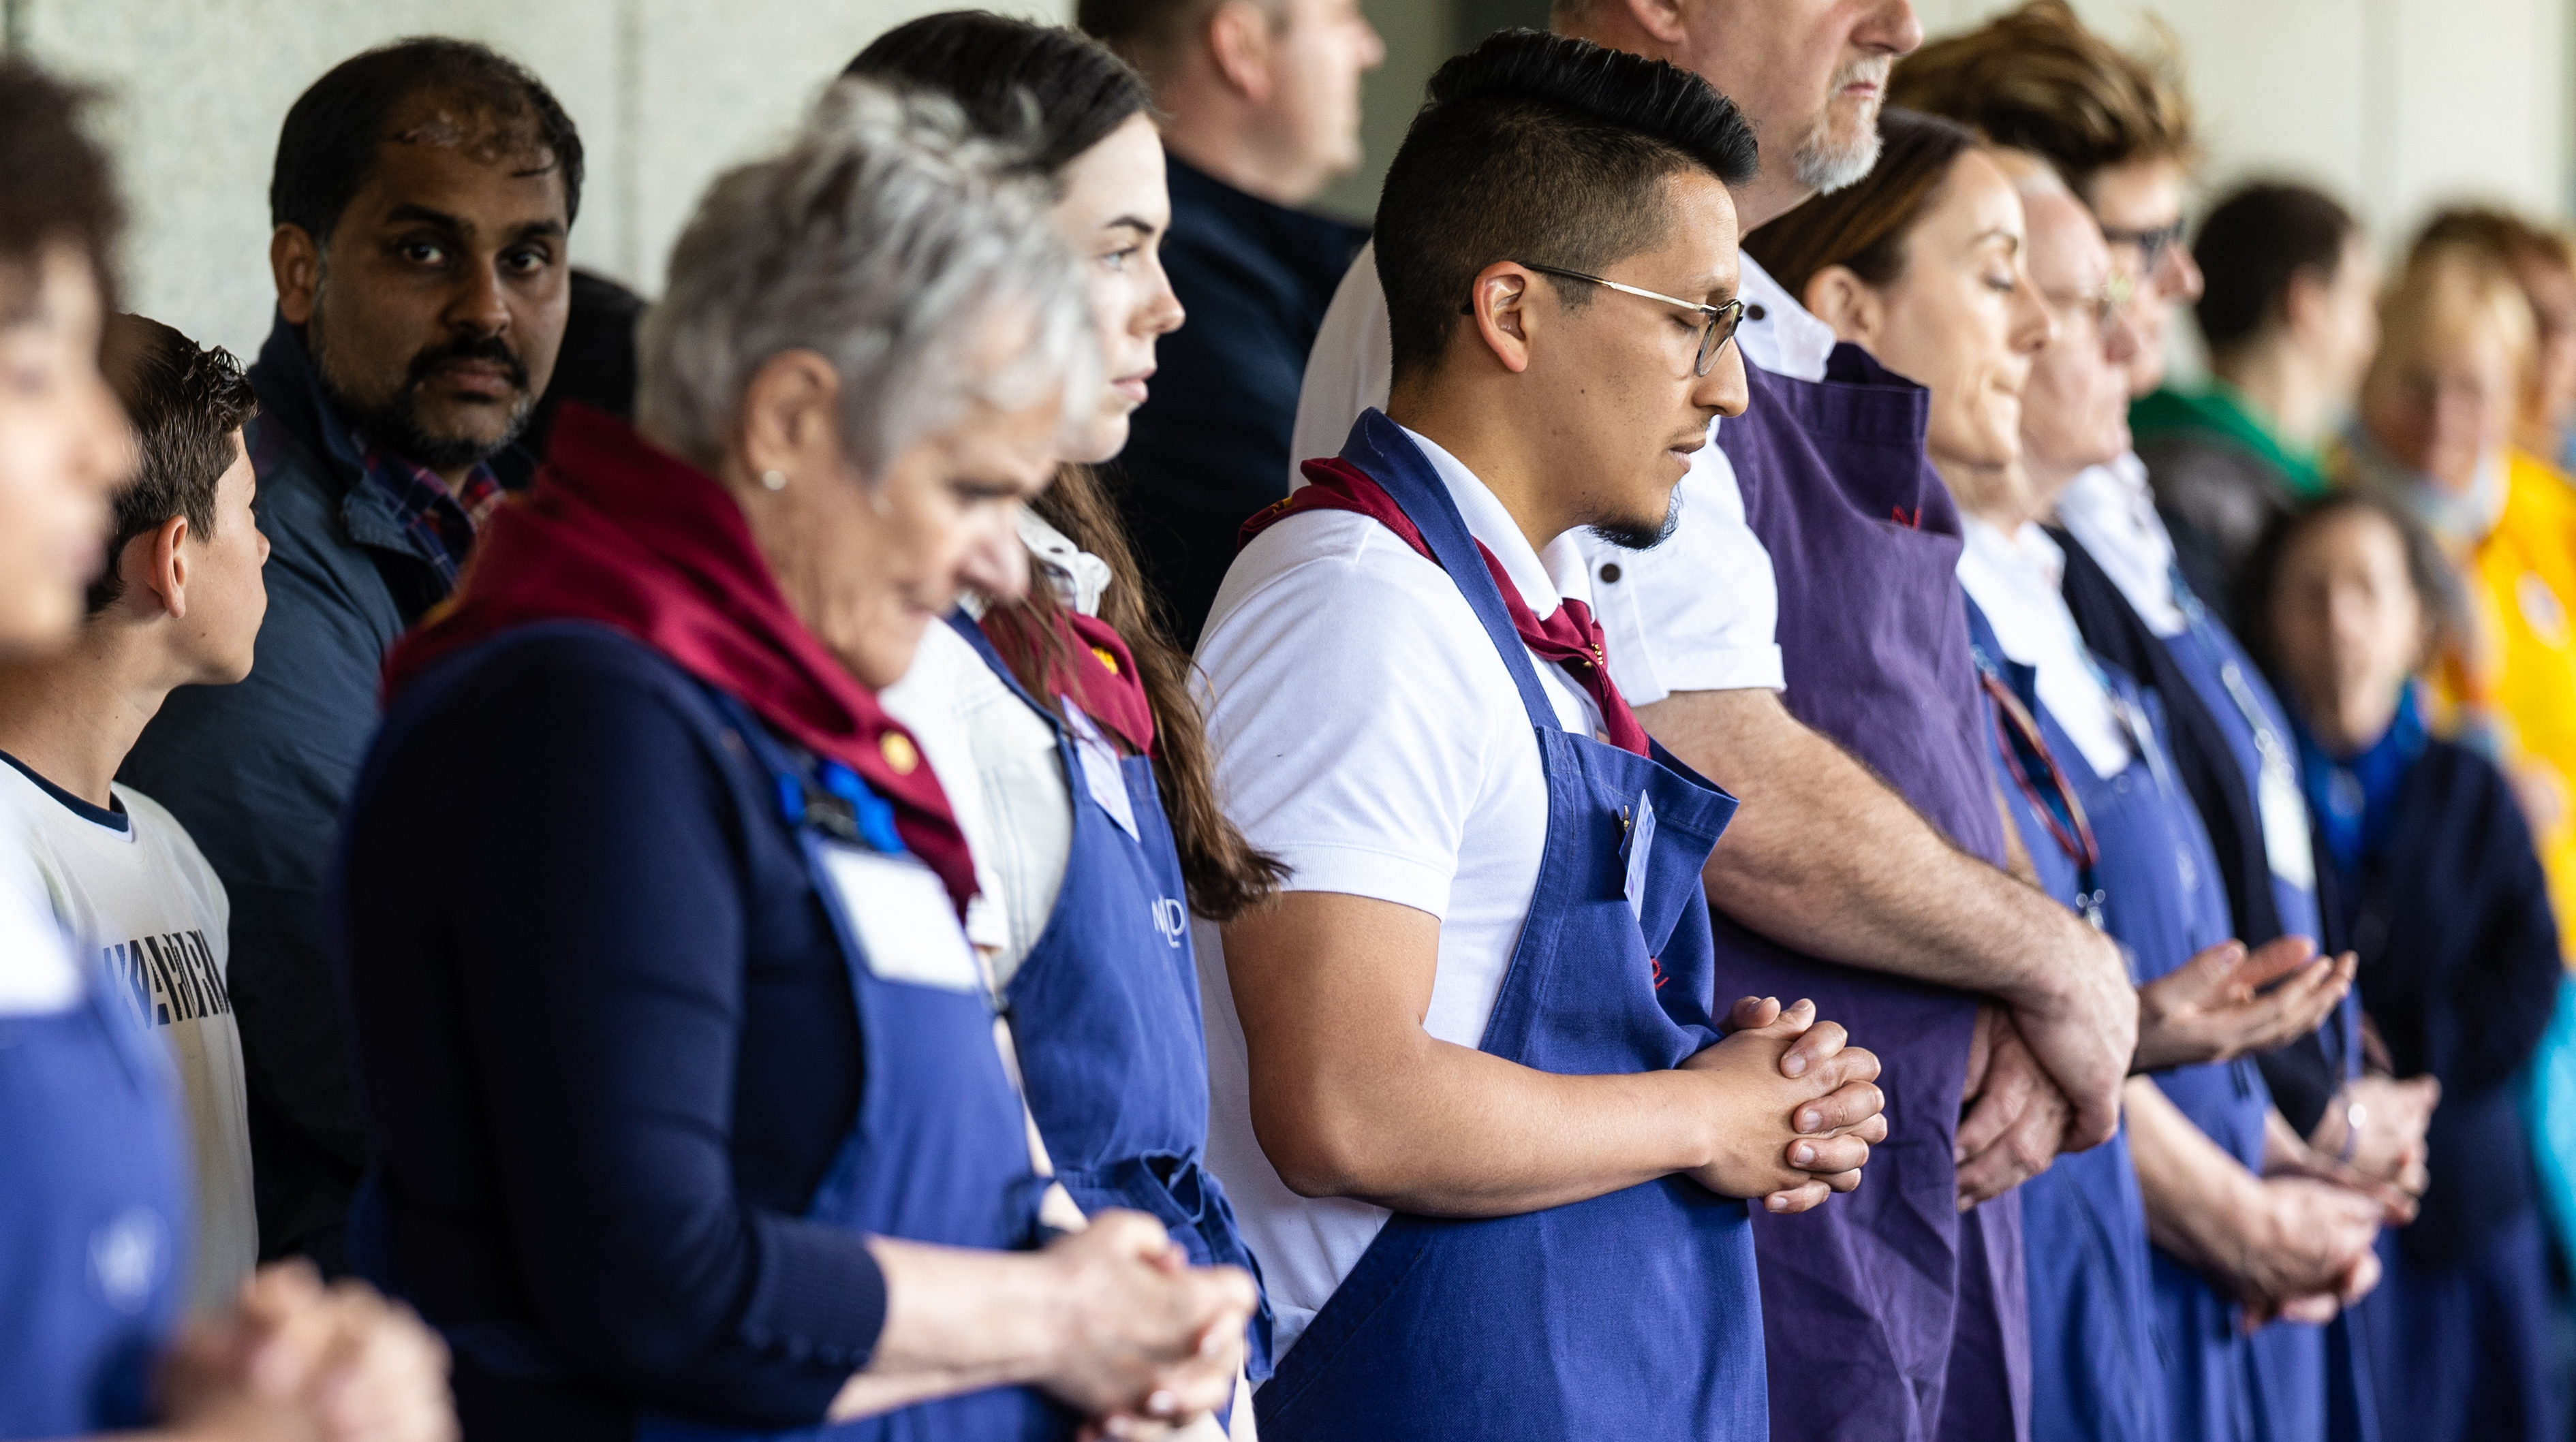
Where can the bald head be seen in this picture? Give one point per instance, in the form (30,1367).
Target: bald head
(1808,74)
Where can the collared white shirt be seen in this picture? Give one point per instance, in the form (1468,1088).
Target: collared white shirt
(1366,732)
(2110,510)
(2015,580)
(1697,613)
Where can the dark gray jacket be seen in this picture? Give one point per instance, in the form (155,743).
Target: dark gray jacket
(258,772)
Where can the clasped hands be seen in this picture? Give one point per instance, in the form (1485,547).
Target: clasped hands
(1819,1109)
(295,1361)
(2224,1003)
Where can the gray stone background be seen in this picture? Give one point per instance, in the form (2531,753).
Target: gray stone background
(2397,105)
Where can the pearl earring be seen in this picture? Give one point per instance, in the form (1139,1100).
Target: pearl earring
(774,480)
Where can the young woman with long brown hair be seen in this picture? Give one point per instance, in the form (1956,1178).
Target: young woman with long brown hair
(1065,721)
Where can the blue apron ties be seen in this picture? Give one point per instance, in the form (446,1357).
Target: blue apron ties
(2096,1373)
(2315,1380)
(1105,1015)
(1864,1296)
(938,1152)
(1633,1314)
(94,1213)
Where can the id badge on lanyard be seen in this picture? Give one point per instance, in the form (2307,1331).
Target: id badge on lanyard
(2283,808)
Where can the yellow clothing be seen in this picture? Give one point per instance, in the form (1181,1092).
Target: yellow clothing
(2518,678)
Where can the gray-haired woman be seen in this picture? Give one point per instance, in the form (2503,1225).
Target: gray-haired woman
(692,1120)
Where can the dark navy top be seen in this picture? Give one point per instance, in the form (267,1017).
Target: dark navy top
(1210,445)
(2460,969)
(608,1046)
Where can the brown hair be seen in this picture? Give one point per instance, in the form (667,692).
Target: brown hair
(56,187)
(1058,93)
(2037,80)
(1227,875)
(186,403)
(2501,233)
(1864,227)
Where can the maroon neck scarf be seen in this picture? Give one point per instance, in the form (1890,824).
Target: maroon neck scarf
(1570,637)
(622,534)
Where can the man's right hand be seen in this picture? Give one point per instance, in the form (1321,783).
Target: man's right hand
(2083,1027)
(1792,1141)
(2214,1007)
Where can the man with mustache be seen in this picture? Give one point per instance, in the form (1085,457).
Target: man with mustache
(422,200)
(1805,617)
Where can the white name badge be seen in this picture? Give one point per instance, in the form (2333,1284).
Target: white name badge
(2285,819)
(1641,852)
(906,927)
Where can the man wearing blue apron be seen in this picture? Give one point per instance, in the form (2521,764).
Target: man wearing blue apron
(1899,1318)
(1464,1089)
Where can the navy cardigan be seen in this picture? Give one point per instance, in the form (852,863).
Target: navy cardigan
(2460,972)
(608,1045)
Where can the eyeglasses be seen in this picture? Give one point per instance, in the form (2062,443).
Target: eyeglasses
(2103,305)
(1722,318)
(2151,244)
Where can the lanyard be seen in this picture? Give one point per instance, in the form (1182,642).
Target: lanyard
(2041,780)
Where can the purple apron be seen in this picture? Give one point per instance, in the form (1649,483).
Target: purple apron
(1888,1314)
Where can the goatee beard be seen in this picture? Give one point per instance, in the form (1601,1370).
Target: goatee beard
(394,423)
(1638,536)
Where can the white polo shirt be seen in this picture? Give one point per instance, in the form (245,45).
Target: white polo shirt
(1697,613)
(1366,732)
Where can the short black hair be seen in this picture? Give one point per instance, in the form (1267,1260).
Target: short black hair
(1542,149)
(1153,34)
(1058,92)
(329,142)
(2253,245)
(56,186)
(185,401)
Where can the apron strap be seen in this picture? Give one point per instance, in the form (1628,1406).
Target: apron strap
(1380,447)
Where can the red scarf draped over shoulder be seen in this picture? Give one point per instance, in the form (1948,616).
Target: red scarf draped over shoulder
(1570,637)
(622,534)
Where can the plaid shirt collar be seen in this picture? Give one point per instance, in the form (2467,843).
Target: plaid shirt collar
(442,523)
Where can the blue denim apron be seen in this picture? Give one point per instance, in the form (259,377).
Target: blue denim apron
(1891,1315)
(2315,1380)
(1633,1314)
(1105,1017)
(937,1153)
(2095,1372)
(94,1213)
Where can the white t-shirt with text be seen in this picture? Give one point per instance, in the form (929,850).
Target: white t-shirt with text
(131,887)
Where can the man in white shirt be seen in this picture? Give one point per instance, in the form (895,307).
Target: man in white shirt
(179,603)
(1463,1090)
(1827,859)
